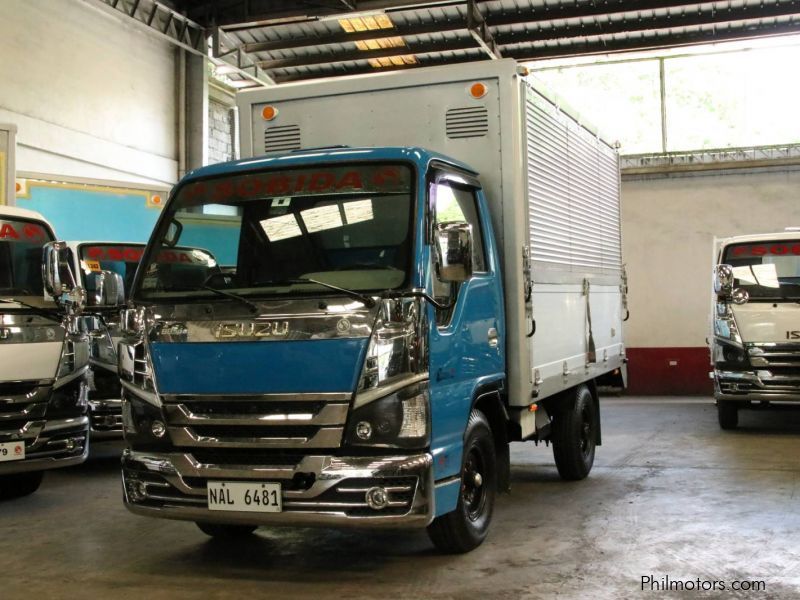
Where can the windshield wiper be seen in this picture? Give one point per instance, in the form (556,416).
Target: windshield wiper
(251,305)
(42,312)
(365,300)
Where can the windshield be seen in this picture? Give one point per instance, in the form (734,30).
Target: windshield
(347,226)
(768,270)
(21,244)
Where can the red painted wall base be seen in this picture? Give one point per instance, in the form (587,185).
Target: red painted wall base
(669,371)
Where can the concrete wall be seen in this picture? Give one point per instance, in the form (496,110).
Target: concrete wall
(668,230)
(221,125)
(92,95)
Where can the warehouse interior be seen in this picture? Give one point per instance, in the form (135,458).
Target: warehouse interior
(105,105)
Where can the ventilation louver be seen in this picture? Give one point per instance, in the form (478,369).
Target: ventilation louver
(469,122)
(282,138)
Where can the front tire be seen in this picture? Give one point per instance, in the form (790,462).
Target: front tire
(575,436)
(466,527)
(226,532)
(20,484)
(727,414)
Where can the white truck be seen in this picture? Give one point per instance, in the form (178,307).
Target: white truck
(89,260)
(43,363)
(755,341)
(417,268)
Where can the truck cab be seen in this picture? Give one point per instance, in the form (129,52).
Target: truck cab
(755,342)
(44,361)
(89,260)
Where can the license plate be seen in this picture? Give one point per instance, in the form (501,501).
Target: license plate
(244,496)
(12,451)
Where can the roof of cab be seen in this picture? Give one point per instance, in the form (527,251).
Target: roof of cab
(23,213)
(308,156)
(777,236)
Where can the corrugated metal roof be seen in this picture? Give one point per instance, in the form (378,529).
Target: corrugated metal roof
(301,40)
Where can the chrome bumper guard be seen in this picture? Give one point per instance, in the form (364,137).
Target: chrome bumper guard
(755,386)
(48,444)
(316,490)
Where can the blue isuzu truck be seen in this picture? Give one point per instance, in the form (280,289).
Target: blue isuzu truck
(407,273)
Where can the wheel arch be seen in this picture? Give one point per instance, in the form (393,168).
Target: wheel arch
(489,400)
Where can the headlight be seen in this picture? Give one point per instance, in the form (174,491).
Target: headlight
(68,400)
(143,424)
(730,357)
(400,420)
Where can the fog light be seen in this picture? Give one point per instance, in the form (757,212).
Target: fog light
(377,498)
(158,429)
(137,490)
(364,430)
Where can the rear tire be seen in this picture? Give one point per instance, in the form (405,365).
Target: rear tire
(20,484)
(466,527)
(727,414)
(575,435)
(220,531)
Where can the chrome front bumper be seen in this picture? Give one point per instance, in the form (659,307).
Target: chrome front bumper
(316,490)
(55,443)
(748,386)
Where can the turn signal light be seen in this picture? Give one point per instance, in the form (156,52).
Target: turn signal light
(269,112)
(478,90)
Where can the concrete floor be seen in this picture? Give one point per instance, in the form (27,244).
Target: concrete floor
(670,495)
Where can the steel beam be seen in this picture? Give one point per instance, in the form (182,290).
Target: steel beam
(165,23)
(700,16)
(655,42)
(350,56)
(480,31)
(298,76)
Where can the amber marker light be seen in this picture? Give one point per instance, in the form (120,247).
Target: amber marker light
(533,408)
(269,112)
(156,199)
(478,90)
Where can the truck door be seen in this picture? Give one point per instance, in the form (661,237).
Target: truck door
(467,340)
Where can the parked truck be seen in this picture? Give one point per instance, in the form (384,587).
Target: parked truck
(415,270)
(43,363)
(755,342)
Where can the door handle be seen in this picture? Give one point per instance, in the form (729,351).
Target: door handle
(492,335)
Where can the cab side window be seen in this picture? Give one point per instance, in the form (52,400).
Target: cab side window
(456,203)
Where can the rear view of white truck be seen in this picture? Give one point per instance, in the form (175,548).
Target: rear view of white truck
(414,270)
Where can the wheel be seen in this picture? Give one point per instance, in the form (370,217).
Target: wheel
(20,484)
(728,414)
(226,532)
(466,527)
(575,435)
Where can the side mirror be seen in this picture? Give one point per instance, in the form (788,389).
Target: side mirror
(723,280)
(173,234)
(59,279)
(454,251)
(110,289)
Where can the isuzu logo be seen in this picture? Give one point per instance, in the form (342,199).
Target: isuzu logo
(277,329)
(793,335)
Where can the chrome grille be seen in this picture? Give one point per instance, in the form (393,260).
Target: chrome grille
(777,365)
(278,421)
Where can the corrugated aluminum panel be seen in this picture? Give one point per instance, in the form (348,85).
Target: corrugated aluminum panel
(573,192)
